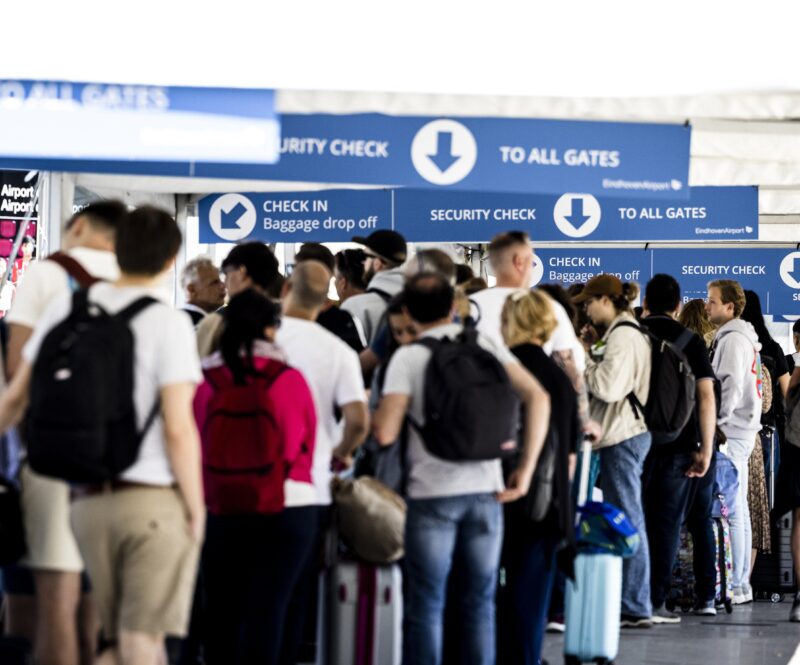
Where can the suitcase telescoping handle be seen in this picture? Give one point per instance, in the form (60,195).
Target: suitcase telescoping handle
(583,478)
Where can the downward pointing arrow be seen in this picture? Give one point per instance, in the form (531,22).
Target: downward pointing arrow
(793,272)
(229,219)
(576,216)
(444,157)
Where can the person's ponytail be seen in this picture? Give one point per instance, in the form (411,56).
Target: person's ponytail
(630,291)
(246,317)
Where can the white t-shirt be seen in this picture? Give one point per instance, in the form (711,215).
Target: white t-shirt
(165,354)
(430,476)
(45,280)
(491,302)
(333,373)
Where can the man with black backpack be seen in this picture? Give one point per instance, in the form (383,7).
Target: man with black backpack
(458,391)
(677,472)
(110,374)
(386,252)
(62,613)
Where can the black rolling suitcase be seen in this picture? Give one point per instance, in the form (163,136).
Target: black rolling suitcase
(773,576)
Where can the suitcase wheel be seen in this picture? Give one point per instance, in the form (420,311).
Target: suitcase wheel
(776,598)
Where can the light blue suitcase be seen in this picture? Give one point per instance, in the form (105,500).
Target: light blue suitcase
(593,603)
(594,599)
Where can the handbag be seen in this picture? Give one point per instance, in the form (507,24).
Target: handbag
(371,518)
(540,496)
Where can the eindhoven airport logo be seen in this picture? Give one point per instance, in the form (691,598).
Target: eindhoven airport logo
(444,152)
(643,185)
(232,217)
(577,215)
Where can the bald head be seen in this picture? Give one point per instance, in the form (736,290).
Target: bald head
(308,286)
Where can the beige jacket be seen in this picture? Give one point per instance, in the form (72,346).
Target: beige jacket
(624,367)
(209,334)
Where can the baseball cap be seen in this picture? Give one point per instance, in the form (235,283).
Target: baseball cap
(387,245)
(600,285)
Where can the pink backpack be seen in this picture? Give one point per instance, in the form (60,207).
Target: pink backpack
(252,434)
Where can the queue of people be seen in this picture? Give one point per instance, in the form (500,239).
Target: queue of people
(244,407)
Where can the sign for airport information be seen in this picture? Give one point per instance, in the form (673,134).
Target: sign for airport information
(102,127)
(17,195)
(327,216)
(718,213)
(482,154)
(772,273)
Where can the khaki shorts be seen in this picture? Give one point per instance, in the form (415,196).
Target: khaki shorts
(140,558)
(45,510)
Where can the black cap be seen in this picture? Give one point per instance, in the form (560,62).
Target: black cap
(387,245)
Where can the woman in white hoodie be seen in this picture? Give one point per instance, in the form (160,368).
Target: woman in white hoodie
(618,380)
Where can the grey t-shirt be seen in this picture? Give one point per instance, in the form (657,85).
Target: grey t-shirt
(429,476)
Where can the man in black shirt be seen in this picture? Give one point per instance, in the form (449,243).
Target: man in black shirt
(334,319)
(679,475)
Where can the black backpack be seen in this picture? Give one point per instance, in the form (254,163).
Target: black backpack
(671,400)
(81,424)
(471,410)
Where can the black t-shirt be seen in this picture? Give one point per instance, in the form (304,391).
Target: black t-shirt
(563,419)
(772,349)
(696,353)
(341,324)
(790,363)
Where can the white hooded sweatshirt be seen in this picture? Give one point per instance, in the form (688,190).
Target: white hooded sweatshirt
(737,363)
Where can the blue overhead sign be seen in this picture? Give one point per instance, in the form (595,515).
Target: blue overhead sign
(579,265)
(480,154)
(772,273)
(326,216)
(724,213)
(710,213)
(130,128)
(483,154)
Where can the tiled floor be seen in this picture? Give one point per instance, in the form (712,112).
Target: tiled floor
(752,635)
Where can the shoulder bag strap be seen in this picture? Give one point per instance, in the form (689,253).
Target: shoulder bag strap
(74,269)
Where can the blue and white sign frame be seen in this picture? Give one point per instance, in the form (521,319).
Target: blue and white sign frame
(424,215)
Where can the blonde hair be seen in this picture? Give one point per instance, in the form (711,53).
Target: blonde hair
(694,317)
(528,315)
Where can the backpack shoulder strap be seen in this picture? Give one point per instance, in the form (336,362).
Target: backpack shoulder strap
(135,308)
(683,339)
(74,269)
(273,373)
(630,324)
(428,342)
(380,292)
(80,300)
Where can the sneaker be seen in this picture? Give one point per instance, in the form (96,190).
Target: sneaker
(630,621)
(747,590)
(740,597)
(663,615)
(794,615)
(706,609)
(555,625)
